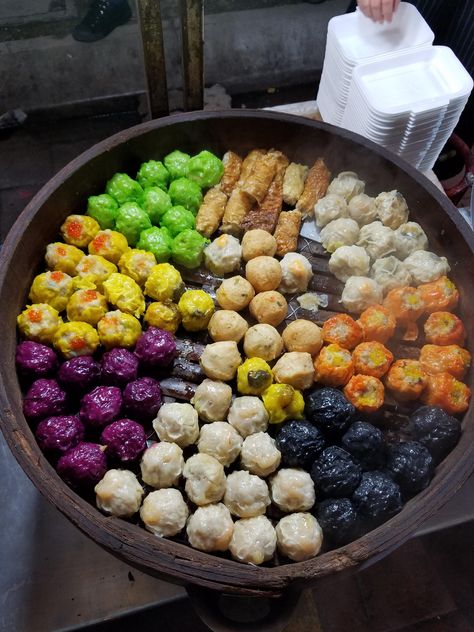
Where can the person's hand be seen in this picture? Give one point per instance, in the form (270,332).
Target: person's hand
(378,10)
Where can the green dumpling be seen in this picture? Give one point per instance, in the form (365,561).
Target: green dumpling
(156,202)
(205,169)
(158,241)
(131,220)
(123,189)
(176,162)
(187,248)
(178,219)
(103,208)
(184,192)
(153,174)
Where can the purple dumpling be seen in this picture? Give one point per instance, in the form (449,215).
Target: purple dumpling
(125,440)
(155,347)
(101,406)
(35,360)
(79,373)
(83,466)
(44,399)
(59,434)
(119,366)
(142,398)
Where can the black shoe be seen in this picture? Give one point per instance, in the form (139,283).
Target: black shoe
(102,17)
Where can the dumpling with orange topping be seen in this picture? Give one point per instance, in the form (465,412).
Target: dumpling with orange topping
(39,322)
(378,323)
(444,328)
(76,339)
(79,230)
(365,392)
(87,306)
(406,379)
(342,330)
(451,359)
(63,257)
(406,305)
(441,294)
(118,329)
(108,244)
(95,269)
(296,273)
(447,392)
(124,293)
(333,366)
(53,288)
(372,358)
(137,264)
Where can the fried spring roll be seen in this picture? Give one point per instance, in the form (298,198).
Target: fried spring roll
(232,167)
(317,182)
(293,182)
(287,232)
(248,164)
(257,183)
(211,211)
(238,205)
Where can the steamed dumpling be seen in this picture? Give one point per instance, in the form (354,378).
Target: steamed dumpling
(377,239)
(359,293)
(390,272)
(362,209)
(346,184)
(392,208)
(349,261)
(329,207)
(425,266)
(339,232)
(408,238)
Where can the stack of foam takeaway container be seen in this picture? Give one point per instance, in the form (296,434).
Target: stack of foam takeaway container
(389,83)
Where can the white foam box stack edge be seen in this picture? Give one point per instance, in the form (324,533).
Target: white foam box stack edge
(390,84)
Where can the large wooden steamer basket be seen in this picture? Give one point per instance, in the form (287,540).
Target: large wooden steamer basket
(302,140)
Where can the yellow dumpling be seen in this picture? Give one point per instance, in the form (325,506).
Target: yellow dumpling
(53,288)
(108,244)
(94,270)
(87,306)
(137,264)
(196,308)
(117,329)
(163,315)
(164,283)
(76,339)
(39,322)
(63,257)
(79,230)
(124,293)
(282,402)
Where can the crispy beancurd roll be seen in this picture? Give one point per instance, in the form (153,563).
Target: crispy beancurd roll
(447,392)
(287,232)
(117,329)
(79,230)
(53,288)
(439,295)
(76,339)
(108,244)
(248,164)
(372,358)
(365,392)
(342,330)
(444,328)
(257,183)
(293,182)
(63,257)
(451,359)
(317,182)
(237,207)
(95,269)
(406,380)
(406,304)
(232,167)
(333,366)
(39,322)
(87,306)
(211,211)
(377,323)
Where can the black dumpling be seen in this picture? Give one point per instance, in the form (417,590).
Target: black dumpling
(338,519)
(411,466)
(377,497)
(300,443)
(335,473)
(436,430)
(329,410)
(366,444)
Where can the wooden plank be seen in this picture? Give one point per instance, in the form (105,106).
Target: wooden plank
(193,47)
(151,29)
